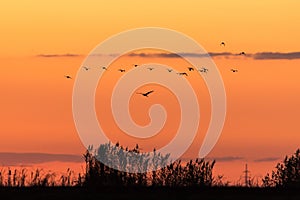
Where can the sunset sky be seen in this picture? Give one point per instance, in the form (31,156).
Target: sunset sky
(41,41)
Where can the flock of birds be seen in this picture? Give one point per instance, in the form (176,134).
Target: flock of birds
(202,70)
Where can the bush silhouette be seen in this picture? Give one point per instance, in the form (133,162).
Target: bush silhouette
(193,173)
(286,174)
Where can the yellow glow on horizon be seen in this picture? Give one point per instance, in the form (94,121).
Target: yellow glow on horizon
(35,27)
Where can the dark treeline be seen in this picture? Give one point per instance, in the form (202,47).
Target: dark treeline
(190,174)
(194,173)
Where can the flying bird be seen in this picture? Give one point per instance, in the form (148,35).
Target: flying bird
(234,70)
(67,76)
(121,70)
(135,65)
(190,68)
(242,53)
(203,69)
(182,74)
(146,94)
(222,44)
(170,70)
(150,68)
(105,68)
(86,68)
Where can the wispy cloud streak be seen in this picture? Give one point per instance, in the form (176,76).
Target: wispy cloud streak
(256,56)
(58,55)
(226,158)
(276,55)
(267,159)
(34,158)
(184,54)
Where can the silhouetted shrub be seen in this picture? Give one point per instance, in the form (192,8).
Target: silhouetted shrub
(286,174)
(177,174)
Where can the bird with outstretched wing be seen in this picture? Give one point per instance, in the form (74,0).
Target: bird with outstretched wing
(146,94)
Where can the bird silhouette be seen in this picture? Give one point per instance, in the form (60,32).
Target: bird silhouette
(182,74)
(135,65)
(234,70)
(121,70)
(190,68)
(242,53)
(170,70)
(150,68)
(105,68)
(222,44)
(86,68)
(146,94)
(203,69)
(67,76)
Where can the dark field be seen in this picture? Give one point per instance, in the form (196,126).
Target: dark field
(148,193)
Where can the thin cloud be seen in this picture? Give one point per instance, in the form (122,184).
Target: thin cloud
(215,54)
(226,158)
(185,54)
(154,55)
(58,55)
(105,55)
(256,56)
(276,55)
(11,159)
(267,159)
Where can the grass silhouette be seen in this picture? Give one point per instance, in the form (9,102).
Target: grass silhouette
(192,179)
(193,173)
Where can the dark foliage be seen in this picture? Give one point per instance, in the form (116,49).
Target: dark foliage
(194,173)
(38,178)
(286,174)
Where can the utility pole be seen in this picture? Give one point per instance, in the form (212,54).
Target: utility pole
(246,176)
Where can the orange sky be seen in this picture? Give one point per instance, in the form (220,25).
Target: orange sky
(262,99)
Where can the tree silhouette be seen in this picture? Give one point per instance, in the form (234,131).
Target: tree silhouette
(286,174)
